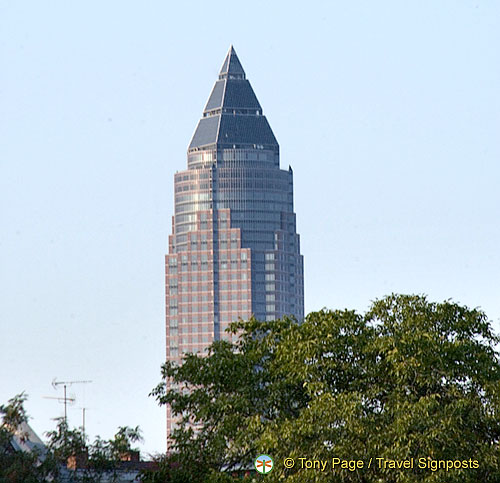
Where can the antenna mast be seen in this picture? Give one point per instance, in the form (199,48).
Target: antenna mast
(65,384)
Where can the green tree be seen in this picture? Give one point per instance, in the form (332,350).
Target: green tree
(105,454)
(220,397)
(21,466)
(41,465)
(102,457)
(64,442)
(408,379)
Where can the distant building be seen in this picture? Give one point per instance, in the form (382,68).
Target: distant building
(234,251)
(77,467)
(26,440)
(127,470)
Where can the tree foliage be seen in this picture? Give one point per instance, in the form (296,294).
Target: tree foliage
(408,379)
(101,457)
(40,465)
(21,466)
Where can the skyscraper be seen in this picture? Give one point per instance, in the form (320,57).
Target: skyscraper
(234,249)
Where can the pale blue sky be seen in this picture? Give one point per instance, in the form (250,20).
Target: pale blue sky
(388,112)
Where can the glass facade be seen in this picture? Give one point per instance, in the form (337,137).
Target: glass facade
(234,251)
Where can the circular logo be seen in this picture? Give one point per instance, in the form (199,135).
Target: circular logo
(263,464)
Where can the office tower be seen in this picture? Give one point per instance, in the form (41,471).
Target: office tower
(234,251)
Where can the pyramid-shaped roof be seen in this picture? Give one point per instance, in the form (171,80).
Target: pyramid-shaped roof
(232,115)
(232,65)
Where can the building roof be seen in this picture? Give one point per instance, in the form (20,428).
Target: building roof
(233,115)
(232,65)
(26,440)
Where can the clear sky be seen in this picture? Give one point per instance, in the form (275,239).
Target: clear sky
(388,112)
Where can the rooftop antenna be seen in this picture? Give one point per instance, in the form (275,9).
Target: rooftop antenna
(64,399)
(84,411)
(65,384)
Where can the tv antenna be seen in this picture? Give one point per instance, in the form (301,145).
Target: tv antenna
(65,384)
(84,411)
(64,399)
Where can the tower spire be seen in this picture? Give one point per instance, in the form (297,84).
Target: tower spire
(232,115)
(232,67)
